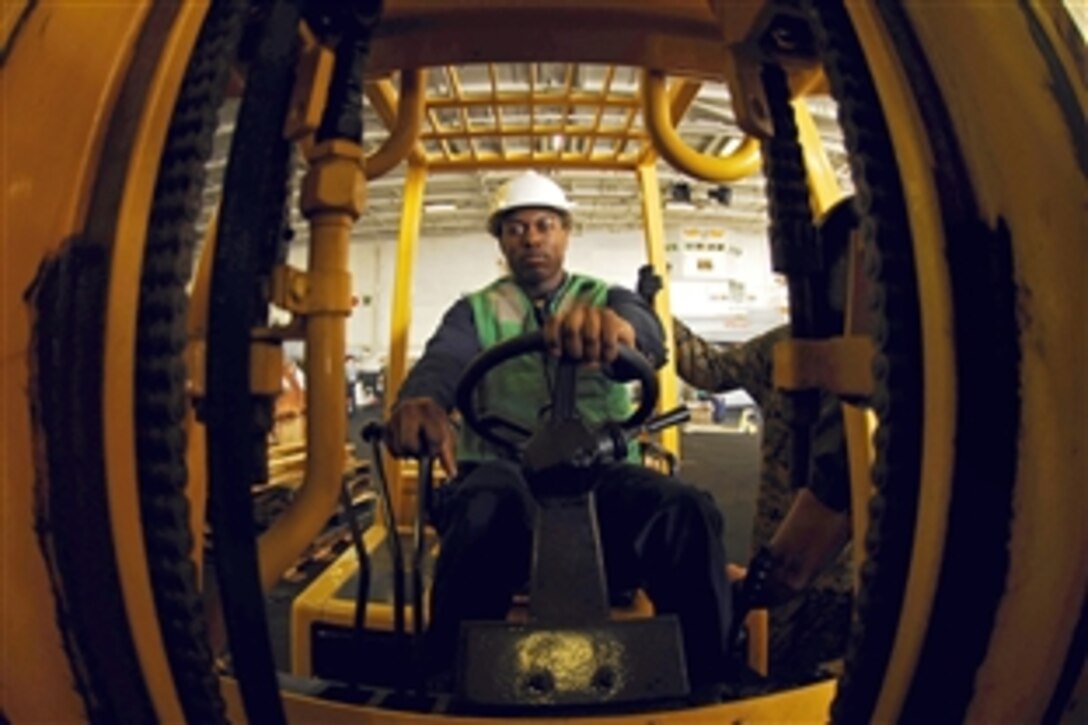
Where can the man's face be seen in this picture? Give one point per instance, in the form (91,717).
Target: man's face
(534,242)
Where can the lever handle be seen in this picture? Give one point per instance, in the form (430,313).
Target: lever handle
(676,416)
(373,431)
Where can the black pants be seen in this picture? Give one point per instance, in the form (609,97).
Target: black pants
(656,532)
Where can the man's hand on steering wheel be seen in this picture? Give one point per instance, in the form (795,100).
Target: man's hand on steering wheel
(588,334)
(418,426)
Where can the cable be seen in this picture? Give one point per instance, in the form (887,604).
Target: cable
(423,497)
(362,590)
(372,433)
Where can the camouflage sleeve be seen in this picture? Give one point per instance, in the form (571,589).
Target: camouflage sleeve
(709,367)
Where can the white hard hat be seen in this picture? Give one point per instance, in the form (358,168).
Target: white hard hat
(530,189)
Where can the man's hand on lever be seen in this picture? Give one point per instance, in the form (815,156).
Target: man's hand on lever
(419,426)
(588,334)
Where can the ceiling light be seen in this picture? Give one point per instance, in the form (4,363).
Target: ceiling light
(438,208)
(731,145)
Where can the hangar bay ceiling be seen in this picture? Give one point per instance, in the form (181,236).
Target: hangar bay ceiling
(483,123)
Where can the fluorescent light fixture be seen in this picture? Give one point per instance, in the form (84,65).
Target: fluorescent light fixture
(438,208)
(679,206)
(731,145)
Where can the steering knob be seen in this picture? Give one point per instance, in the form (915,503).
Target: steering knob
(373,431)
(612,441)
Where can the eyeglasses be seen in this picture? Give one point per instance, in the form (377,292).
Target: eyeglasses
(516,228)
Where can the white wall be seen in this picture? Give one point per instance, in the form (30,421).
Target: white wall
(738,298)
(448,267)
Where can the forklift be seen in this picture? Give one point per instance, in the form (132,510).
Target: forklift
(139,361)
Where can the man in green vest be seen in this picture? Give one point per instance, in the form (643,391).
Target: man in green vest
(656,531)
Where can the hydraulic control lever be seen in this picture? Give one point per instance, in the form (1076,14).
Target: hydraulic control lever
(373,433)
(612,440)
(676,416)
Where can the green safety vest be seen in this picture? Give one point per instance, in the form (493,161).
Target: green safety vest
(517,389)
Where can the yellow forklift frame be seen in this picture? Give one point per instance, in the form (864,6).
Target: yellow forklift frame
(996,91)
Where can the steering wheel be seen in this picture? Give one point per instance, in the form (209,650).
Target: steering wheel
(629,365)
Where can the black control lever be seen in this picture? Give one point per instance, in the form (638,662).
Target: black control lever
(676,416)
(373,433)
(612,440)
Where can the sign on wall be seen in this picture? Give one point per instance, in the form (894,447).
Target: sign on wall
(701,254)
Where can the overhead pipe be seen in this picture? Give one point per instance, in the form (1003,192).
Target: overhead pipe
(405,133)
(657,117)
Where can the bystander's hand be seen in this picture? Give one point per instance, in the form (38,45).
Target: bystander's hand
(419,426)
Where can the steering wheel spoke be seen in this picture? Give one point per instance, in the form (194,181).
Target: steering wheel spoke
(565,391)
(494,424)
